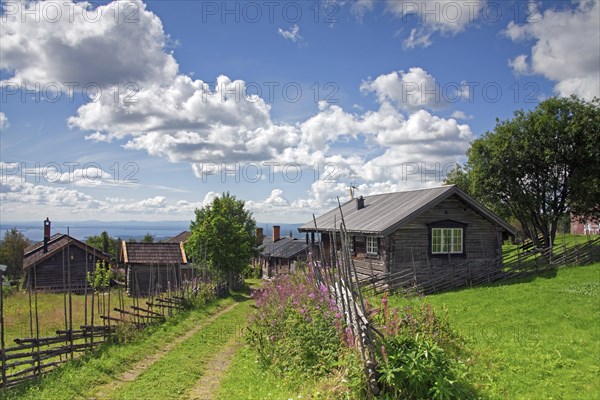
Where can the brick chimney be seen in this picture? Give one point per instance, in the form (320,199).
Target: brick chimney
(46,234)
(259,236)
(276,233)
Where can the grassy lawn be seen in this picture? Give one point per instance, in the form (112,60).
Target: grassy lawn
(245,379)
(531,339)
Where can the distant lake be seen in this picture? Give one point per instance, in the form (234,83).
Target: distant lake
(161,230)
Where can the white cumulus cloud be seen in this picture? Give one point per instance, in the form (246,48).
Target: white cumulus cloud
(74,44)
(409,90)
(448,17)
(566,49)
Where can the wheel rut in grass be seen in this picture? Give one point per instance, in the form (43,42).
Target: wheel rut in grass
(206,386)
(137,369)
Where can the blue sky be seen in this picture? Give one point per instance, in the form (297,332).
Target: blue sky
(145,111)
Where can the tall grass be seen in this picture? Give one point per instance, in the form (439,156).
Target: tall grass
(51,313)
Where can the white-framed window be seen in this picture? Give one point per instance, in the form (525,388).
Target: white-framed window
(447,240)
(372,247)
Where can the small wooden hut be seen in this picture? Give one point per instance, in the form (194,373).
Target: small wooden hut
(280,254)
(153,268)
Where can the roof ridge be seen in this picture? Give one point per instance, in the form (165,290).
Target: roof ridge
(412,190)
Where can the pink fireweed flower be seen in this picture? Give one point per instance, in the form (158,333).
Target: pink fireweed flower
(384,353)
(349,336)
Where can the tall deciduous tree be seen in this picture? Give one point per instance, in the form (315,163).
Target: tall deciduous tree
(462,177)
(224,233)
(106,244)
(12,249)
(541,164)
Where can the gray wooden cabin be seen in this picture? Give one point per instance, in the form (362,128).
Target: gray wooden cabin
(280,254)
(153,268)
(427,232)
(60,262)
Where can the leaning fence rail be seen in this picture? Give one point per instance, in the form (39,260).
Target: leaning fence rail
(518,262)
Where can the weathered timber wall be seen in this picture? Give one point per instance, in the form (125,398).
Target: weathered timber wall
(53,274)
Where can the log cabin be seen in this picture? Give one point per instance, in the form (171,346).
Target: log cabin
(426,231)
(280,254)
(153,268)
(59,262)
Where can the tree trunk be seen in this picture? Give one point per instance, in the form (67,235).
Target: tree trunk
(230,280)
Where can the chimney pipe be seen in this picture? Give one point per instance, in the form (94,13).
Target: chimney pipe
(259,235)
(46,234)
(276,233)
(360,203)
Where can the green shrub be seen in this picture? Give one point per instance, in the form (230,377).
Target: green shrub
(126,333)
(417,368)
(7,290)
(200,296)
(419,356)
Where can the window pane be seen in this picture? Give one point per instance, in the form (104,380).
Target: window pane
(446,240)
(457,240)
(371,245)
(436,240)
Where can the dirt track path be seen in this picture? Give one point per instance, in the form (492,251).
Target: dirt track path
(206,386)
(137,369)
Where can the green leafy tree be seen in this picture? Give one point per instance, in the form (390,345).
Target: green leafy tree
(100,279)
(462,177)
(223,232)
(105,243)
(12,249)
(541,165)
(148,238)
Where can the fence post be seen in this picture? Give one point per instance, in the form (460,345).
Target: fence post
(2,326)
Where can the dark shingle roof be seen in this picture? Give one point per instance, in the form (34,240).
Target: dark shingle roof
(385,213)
(34,254)
(285,247)
(153,253)
(182,237)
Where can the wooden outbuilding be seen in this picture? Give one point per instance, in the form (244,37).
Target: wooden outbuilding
(280,254)
(180,238)
(153,268)
(427,231)
(59,262)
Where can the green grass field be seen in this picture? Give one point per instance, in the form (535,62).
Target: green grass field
(51,313)
(537,338)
